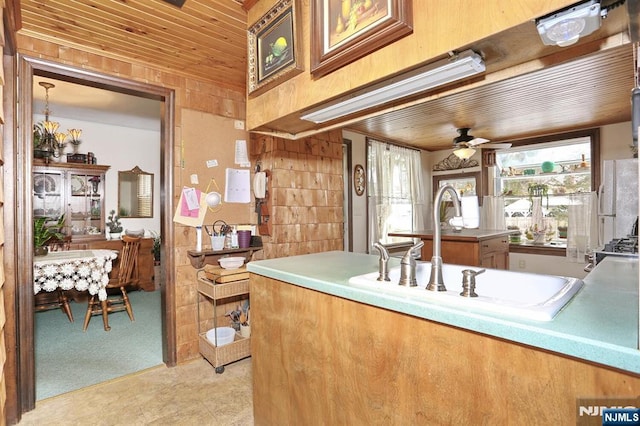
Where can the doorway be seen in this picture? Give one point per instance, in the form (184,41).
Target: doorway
(22,159)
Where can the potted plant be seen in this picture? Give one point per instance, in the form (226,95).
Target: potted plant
(156,247)
(114,225)
(44,232)
(538,190)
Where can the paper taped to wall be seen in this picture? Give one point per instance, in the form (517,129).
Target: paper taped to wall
(238,186)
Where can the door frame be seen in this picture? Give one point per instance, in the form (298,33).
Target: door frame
(22,157)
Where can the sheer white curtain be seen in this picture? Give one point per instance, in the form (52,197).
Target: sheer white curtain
(396,195)
(582,226)
(493,213)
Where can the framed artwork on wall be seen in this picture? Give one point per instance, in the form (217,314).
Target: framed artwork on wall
(274,50)
(345,30)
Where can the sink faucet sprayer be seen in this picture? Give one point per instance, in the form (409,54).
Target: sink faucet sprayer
(383,263)
(408,267)
(436,283)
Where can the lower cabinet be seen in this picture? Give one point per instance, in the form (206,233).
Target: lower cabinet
(492,252)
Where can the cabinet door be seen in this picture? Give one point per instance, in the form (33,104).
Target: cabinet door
(48,194)
(85,204)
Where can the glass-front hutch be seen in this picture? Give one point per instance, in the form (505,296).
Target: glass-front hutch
(75,190)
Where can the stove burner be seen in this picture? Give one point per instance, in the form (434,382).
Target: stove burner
(622,245)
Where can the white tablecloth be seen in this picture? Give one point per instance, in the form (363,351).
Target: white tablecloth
(84,270)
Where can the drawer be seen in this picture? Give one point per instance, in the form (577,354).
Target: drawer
(495,244)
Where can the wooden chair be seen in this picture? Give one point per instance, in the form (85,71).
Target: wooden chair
(45,301)
(127,265)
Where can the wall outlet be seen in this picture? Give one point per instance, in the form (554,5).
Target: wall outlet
(194,179)
(212,163)
(238,124)
(522,264)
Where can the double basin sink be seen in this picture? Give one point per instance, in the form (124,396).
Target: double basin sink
(524,295)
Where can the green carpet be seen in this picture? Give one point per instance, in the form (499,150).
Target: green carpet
(68,358)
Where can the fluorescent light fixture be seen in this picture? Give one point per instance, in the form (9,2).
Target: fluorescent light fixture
(565,27)
(463,65)
(464,153)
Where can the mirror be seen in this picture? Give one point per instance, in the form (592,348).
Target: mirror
(135,193)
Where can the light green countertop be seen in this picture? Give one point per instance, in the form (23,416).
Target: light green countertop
(600,324)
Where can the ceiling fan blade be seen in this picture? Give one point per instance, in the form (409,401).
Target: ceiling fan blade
(477,141)
(497,145)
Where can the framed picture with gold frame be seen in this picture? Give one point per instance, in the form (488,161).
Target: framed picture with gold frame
(274,47)
(345,30)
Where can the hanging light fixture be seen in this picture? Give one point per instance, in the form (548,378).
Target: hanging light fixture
(52,142)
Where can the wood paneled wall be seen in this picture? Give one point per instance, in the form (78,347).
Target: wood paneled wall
(190,93)
(305,193)
(438,27)
(3,316)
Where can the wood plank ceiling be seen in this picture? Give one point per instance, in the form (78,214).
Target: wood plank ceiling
(204,38)
(547,89)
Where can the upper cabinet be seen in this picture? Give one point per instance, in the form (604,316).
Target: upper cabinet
(75,191)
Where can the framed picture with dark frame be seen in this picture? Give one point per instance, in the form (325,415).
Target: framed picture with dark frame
(274,50)
(345,30)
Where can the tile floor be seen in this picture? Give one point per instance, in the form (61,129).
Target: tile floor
(189,394)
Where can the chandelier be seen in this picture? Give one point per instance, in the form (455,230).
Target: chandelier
(48,142)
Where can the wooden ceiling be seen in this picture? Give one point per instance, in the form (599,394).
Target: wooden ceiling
(203,38)
(528,90)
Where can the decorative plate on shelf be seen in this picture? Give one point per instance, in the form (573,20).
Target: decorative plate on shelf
(77,185)
(43,184)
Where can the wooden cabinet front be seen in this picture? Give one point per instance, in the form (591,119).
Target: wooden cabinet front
(145,263)
(487,253)
(75,191)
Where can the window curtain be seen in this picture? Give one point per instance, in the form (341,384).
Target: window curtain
(493,213)
(394,182)
(582,226)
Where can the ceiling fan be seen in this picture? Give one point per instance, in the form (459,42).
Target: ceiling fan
(465,140)
(464,144)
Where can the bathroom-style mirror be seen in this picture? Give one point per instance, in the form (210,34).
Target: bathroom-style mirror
(135,193)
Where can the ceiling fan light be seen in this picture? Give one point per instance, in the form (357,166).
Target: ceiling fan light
(464,153)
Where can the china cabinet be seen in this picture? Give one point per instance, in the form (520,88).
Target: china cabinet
(75,191)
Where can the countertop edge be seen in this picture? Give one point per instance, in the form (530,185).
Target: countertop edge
(529,333)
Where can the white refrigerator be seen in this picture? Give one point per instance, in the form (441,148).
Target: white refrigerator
(617,199)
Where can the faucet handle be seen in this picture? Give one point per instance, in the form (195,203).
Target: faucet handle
(383,267)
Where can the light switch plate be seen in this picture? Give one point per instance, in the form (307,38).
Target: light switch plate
(194,179)
(238,124)
(212,163)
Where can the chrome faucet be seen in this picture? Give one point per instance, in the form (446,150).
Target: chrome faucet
(436,283)
(408,267)
(383,263)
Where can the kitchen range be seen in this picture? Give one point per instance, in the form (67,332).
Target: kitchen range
(618,210)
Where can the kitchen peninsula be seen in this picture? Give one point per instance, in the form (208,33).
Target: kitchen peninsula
(473,247)
(327,351)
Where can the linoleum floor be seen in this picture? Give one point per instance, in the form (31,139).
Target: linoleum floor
(189,394)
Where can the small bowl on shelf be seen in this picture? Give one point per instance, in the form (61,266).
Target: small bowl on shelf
(231,262)
(223,335)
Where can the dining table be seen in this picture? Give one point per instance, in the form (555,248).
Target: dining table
(84,270)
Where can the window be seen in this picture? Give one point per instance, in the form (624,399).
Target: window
(395,195)
(538,182)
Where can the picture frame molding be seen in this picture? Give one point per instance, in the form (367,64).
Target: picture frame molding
(257,84)
(371,38)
